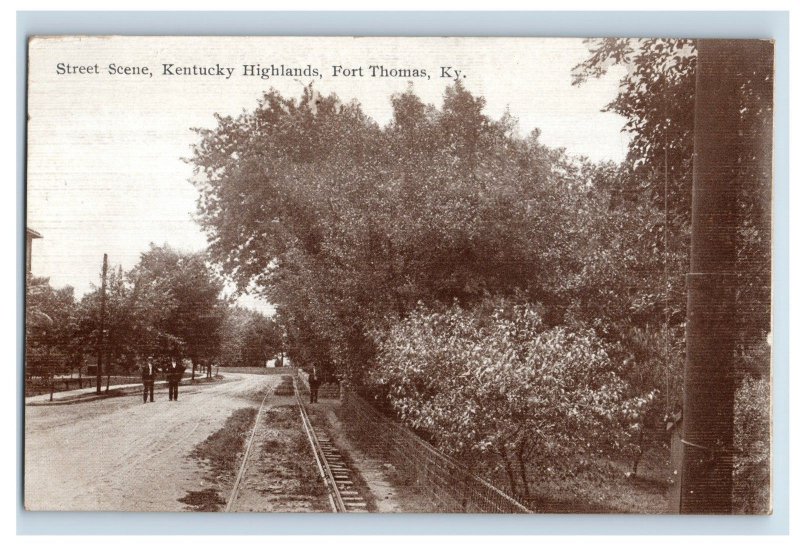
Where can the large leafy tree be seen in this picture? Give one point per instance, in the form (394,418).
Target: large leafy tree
(136,308)
(657,99)
(343,224)
(51,322)
(168,306)
(192,300)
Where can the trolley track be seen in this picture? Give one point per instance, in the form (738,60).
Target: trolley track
(343,496)
(237,483)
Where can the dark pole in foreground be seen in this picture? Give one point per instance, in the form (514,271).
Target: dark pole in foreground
(101,333)
(709,378)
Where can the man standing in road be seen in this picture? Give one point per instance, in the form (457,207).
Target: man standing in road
(149,378)
(313,384)
(174,375)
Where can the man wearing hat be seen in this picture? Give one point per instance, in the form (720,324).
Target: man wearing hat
(149,378)
(314,380)
(174,374)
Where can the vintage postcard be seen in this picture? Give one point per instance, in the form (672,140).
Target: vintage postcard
(310,274)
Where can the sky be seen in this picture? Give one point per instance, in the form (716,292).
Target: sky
(105,172)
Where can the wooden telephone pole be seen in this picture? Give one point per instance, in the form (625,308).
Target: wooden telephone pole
(720,155)
(101,333)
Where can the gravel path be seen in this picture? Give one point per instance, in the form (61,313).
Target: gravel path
(119,454)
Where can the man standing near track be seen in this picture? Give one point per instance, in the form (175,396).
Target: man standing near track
(174,374)
(313,384)
(149,378)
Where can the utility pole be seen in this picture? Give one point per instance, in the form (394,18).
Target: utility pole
(723,67)
(101,334)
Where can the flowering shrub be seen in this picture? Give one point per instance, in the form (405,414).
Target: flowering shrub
(503,392)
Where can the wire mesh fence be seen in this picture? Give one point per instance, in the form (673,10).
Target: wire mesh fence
(453,487)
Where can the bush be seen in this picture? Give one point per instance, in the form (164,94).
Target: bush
(502,393)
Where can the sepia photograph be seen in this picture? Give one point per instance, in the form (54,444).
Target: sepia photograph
(398,275)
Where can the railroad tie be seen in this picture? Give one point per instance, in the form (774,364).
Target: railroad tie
(332,468)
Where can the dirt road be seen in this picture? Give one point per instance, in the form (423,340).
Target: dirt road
(119,454)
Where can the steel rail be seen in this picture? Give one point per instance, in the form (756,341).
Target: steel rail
(240,474)
(334,497)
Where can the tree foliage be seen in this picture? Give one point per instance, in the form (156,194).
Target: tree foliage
(169,305)
(657,99)
(248,338)
(345,226)
(193,309)
(752,420)
(134,311)
(502,390)
(364,237)
(51,320)
(342,224)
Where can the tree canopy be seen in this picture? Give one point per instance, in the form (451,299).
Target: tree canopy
(342,224)
(368,238)
(170,305)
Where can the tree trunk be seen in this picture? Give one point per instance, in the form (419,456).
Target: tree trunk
(50,373)
(509,468)
(522,472)
(101,332)
(113,361)
(108,374)
(637,457)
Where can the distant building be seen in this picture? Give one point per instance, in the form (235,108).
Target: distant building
(278,362)
(30,235)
